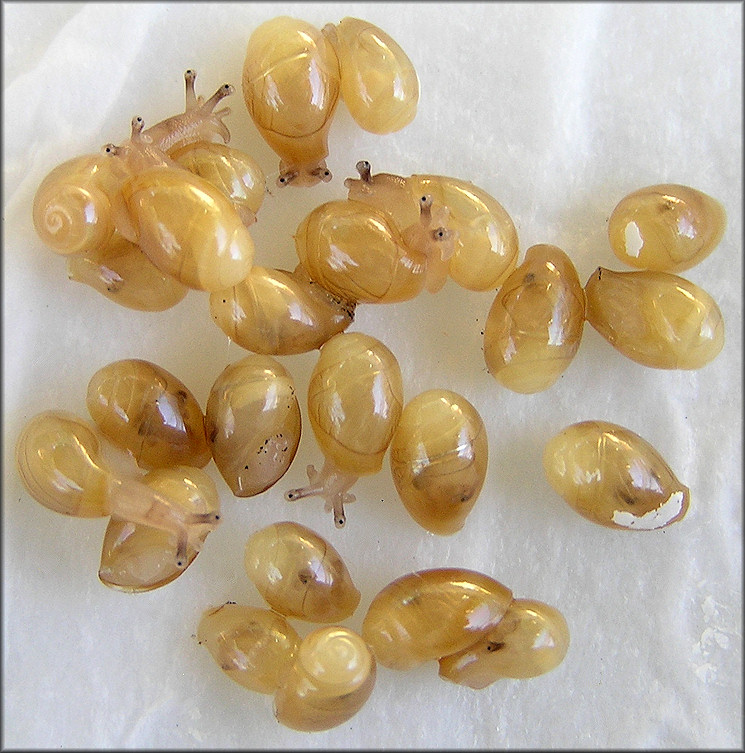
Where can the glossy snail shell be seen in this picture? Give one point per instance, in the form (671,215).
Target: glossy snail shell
(254,647)
(276,312)
(355,252)
(379,84)
(331,679)
(252,423)
(534,326)
(611,476)
(146,410)
(355,398)
(438,459)
(300,574)
(188,228)
(432,613)
(655,318)
(667,228)
(531,639)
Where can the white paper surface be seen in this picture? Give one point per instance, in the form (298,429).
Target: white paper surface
(558,111)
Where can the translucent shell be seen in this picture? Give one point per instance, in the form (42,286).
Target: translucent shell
(356,253)
(122,273)
(146,410)
(136,557)
(60,464)
(531,639)
(276,312)
(188,228)
(299,574)
(233,172)
(655,318)
(331,679)
(613,477)
(291,89)
(438,458)
(667,228)
(355,398)
(254,647)
(534,326)
(432,613)
(252,422)
(378,82)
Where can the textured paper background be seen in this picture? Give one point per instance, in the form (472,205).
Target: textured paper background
(558,111)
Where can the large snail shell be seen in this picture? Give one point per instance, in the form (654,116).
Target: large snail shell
(299,574)
(486,244)
(432,613)
(531,639)
(291,88)
(277,312)
(254,647)
(534,326)
(71,211)
(354,251)
(252,422)
(188,228)
(59,461)
(146,410)
(613,477)
(136,557)
(667,228)
(438,459)
(655,318)
(379,84)
(122,273)
(355,398)
(331,679)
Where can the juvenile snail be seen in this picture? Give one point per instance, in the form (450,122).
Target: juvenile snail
(277,312)
(331,679)
(254,647)
(531,639)
(666,228)
(534,326)
(432,613)
(299,574)
(252,423)
(613,477)
(438,459)
(355,398)
(655,318)
(146,410)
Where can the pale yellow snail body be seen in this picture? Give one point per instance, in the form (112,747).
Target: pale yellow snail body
(252,423)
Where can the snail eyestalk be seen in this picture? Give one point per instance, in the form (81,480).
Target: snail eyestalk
(330,483)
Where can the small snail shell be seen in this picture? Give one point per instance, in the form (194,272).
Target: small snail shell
(291,89)
(254,647)
(136,557)
(613,477)
(331,679)
(277,312)
(667,228)
(432,613)
(534,326)
(234,173)
(146,410)
(356,253)
(378,82)
(252,422)
(122,273)
(188,228)
(299,574)
(531,639)
(655,318)
(438,459)
(59,461)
